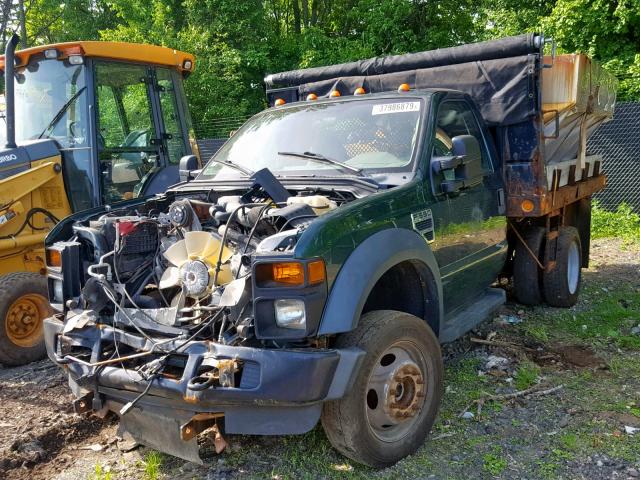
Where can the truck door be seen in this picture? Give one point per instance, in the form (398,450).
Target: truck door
(470,239)
(139,135)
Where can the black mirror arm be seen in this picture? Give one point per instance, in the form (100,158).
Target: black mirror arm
(439,164)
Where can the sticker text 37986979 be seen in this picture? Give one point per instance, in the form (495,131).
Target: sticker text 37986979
(401,107)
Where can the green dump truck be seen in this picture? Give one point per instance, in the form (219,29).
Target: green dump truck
(311,270)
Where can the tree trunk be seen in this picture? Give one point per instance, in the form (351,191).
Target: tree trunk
(305,12)
(22,18)
(296,15)
(6,13)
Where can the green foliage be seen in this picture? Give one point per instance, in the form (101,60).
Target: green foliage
(623,222)
(526,375)
(152,463)
(238,42)
(494,463)
(100,473)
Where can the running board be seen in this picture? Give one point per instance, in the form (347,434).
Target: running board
(478,311)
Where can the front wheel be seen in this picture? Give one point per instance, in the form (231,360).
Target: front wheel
(23,308)
(396,395)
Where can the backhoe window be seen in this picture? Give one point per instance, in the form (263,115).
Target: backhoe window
(169,106)
(125,129)
(51,102)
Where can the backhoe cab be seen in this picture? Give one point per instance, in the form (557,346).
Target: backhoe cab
(87,124)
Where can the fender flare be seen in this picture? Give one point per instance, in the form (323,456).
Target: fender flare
(364,267)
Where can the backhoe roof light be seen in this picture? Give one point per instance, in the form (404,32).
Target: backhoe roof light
(51,53)
(187,64)
(76,59)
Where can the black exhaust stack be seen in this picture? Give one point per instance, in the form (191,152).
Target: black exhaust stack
(9,97)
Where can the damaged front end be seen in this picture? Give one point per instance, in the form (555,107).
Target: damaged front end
(185,313)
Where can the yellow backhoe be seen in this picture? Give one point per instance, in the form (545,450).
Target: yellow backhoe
(87,124)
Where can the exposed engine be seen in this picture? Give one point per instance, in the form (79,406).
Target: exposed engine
(185,270)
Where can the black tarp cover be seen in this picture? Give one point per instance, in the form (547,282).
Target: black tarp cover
(500,75)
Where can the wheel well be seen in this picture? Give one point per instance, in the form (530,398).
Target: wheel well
(409,287)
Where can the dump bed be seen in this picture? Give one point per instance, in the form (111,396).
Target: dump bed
(540,109)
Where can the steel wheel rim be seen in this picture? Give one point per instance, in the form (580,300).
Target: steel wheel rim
(396,391)
(573,267)
(23,322)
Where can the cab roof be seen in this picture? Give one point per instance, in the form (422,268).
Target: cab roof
(132,52)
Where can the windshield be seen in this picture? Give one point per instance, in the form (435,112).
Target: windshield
(51,102)
(373,136)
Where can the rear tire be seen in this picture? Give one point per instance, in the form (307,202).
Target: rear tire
(562,284)
(527,275)
(395,397)
(24,305)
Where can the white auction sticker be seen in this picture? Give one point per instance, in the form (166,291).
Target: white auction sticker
(383,108)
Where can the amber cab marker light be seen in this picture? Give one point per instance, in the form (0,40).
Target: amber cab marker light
(54,258)
(334,94)
(316,272)
(359,91)
(311,97)
(404,87)
(527,206)
(279,102)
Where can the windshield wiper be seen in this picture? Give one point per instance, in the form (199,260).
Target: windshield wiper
(235,166)
(321,158)
(61,112)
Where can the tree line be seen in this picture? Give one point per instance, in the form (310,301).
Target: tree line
(237,42)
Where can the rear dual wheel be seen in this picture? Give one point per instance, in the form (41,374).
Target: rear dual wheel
(23,307)
(395,397)
(558,286)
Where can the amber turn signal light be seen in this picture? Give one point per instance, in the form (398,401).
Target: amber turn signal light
(334,94)
(54,258)
(404,87)
(282,273)
(316,272)
(527,206)
(359,91)
(311,97)
(290,273)
(279,102)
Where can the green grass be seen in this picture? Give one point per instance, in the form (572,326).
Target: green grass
(152,463)
(607,320)
(99,473)
(623,222)
(526,375)
(493,462)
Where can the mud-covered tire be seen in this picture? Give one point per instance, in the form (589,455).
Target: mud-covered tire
(527,274)
(24,305)
(383,335)
(562,283)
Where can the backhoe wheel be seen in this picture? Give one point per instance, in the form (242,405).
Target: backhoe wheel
(24,305)
(395,397)
(562,284)
(527,274)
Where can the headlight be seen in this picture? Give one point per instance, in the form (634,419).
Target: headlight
(290,313)
(58,294)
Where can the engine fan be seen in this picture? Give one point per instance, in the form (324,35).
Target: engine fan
(193,263)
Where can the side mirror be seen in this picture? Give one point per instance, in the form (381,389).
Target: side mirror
(463,168)
(188,164)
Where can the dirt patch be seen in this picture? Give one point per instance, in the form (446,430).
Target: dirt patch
(620,419)
(38,421)
(567,356)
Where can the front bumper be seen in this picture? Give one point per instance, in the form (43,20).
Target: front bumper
(279,391)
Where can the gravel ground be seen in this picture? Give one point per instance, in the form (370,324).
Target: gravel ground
(581,367)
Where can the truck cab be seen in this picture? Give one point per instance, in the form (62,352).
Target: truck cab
(311,270)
